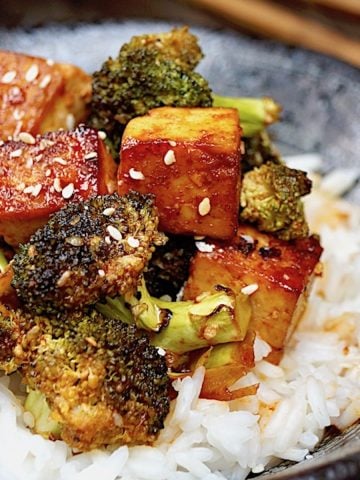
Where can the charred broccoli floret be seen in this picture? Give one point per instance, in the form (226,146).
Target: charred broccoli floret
(168,268)
(183,326)
(150,71)
(271,199)
(86,251)
(102,381)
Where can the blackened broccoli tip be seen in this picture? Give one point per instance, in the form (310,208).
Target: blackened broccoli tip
(100,379)
(271,199)
(150,71)
(86,251)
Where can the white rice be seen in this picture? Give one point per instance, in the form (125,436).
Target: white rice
(316,385)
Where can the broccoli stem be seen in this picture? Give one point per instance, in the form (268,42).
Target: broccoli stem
(255,113)
(3,262)
(37,405)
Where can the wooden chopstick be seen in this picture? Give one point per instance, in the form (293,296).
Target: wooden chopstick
(348,6)
(274,21)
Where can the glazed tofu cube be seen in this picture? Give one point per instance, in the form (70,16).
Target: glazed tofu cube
(275,274)
(190,159)
(38,95)
(39,175)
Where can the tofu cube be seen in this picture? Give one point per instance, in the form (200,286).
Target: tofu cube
(275,274)
(190,159)
(40,175)
(38,95)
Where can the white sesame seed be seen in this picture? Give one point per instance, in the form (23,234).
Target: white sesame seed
(68,191)
(48,172)
(62,280)
(75,241)
(258,468)
(204,247)
(28,189)
(102,135)
(204,207)
(114,233)
(45,81)
(16,153)
(172,143)
(50,62)
(107,240)
(136,174)
(38,157)
(248,238)
(26,138)
(199,237)
(8,77)
(57,185)
(90,155)
(18,114)
(29,162)
(133,242)
(161,351)
(286,276)
(169,157)
(101,273)
(32,73)
(70,121)
(36,190)
(60,160)
(250,289)
(108,211)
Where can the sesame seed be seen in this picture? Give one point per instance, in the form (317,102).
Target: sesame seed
(204,207)
(64,277)
(29,162)
(286,276)
(28,189)
(102,135)
(57,185)
(38,157)
(68,191)
(26,138)
(101,273)
(161,351)
(250,289)
(133,242)
(16,153)
(108,211)
(60,160)
(136,174)
(8,77)
(204,247)
(32,73)
(18,114)
(248,238)
(50,62)
(36,190)
(199,237)
(90,155)
(45,81)
(114,232)
(107,240)
(75,241)
(70,121)
(48,172)
(258,468)
(172,143)
(169,157)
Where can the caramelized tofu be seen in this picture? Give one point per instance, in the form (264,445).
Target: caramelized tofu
(38,95)
(275,273)
(190,159)
(40,175)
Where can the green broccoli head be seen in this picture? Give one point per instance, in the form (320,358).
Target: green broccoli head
(86,251)
(271,199)
(102,381)
(146,74)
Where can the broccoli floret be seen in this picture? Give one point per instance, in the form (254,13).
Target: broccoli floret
(150,71)
(255,113)
(86,251)
(102,381)
(271,199)
(168,268)
(183,326)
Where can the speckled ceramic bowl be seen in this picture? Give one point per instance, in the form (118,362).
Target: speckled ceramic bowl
(321,100)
